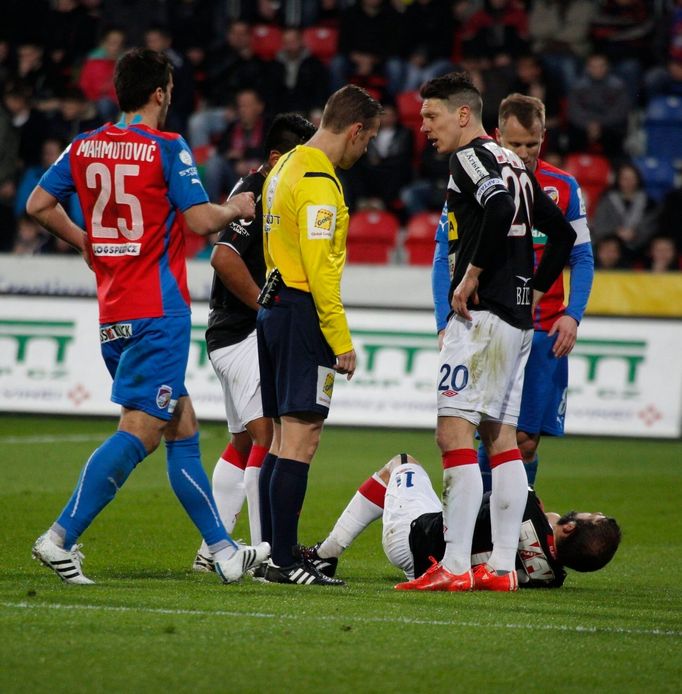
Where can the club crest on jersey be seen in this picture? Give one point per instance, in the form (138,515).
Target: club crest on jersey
(115,332)
(163,397)
(185,157)
(552,193)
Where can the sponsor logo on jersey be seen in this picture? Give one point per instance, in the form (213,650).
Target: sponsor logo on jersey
(117,331)
(185,157)
(191,171)
(116,249)
(325,385)
(472,165)
(583,209)
(163,397)
(321,221)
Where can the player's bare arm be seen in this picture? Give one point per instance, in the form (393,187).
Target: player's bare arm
(566,330)
(208,218)
(465,290)
(48,212)
(345,364)
(234,274)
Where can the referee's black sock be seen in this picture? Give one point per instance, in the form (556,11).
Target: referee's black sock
(266,470)
(287,492)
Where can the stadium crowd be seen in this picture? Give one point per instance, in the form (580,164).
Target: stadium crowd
(609,73)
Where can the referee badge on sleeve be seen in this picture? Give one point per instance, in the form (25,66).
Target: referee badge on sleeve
(321,221)
(325,385)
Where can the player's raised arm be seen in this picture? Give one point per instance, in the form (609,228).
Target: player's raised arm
(209,218)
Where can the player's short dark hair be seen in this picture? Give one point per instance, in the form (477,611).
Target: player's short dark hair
(287,131)
(139,73)
(526,109)
(457,88)
(350,104)
(591,545)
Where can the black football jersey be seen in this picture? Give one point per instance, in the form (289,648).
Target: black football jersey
(478,172)
(229,319)
(535,563)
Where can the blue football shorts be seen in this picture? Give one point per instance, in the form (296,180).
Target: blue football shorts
(545,384)
(147,359)
(296,362)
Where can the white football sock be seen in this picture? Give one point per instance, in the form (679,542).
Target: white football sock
(462,494)
(251,476)
(507,504)
(365,507)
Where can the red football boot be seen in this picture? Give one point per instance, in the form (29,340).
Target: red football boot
(486,579)
(437,577)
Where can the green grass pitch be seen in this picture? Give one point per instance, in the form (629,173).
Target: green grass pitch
(150,624)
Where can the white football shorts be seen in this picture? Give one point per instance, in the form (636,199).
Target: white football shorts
(237,369)
(480,375)
(409,495)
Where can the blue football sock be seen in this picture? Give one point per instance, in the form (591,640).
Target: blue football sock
(101,477)
(190,484)
(287,492)
(266,470)
(531,470)
(484,466)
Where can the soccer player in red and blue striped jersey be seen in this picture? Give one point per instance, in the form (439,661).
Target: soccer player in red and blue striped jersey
(135,183)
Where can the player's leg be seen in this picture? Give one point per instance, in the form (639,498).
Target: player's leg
(260,432)
(190,484)
(528,445)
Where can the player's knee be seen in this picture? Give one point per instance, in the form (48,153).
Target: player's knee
(397,460)
(528,446)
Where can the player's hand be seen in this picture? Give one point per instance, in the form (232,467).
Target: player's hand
(537,295)
(345,364)
(243,205)
(566,330)
(466,289)
(441,338)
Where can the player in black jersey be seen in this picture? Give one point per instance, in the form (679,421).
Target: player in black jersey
(401,494)
(239,266)
(493,202)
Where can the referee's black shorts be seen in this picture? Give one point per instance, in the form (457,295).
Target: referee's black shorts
(296,362)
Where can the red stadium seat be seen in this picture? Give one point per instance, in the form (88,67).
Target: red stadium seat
(420,241)
(266,40)
(409,108)
(372,236)
(593,172)
(321,42)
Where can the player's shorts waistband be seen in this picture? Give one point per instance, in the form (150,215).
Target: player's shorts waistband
(293,295)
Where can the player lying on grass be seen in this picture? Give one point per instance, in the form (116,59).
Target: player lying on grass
(402,495)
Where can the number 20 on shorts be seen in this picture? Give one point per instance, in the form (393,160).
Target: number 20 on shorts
(453,378)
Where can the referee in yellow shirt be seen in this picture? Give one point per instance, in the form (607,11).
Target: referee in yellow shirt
(303,335)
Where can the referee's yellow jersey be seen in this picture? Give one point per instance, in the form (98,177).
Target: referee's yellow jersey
(305,225)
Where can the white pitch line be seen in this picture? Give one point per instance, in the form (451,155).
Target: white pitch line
(332,618)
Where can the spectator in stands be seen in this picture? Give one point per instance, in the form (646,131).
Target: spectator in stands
(669,222)
(598,107)
(662,255)
(626,211)
(370,44)
(158,38)
(665,81)
(76,115)
(135,16)
(429,47)
(34,71)
(427,191)
(241,147)
(531,79)
(303,79)
(379,176)
(72,34)
(229,67)
(622,30)
(192,24)
(29,124)
(609,254)
(97,76)
(560,34)
(499,28)
(31,238)
(289,13)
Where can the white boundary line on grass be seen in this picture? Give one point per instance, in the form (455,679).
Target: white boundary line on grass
(331,618)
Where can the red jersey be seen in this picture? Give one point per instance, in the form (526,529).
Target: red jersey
(131,183)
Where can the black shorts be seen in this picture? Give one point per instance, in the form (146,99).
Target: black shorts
(296,362)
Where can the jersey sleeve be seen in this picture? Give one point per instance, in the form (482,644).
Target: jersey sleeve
(57,180)
(185,188)
(239,234)
(323,253)
(440,273)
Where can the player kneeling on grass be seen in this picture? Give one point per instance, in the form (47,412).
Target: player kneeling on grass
(402,495)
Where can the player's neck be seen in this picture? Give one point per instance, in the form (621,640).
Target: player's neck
(471,133)
(143,117)
(332,144)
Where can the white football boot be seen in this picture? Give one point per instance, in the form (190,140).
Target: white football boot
(245,558)
(66,563)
